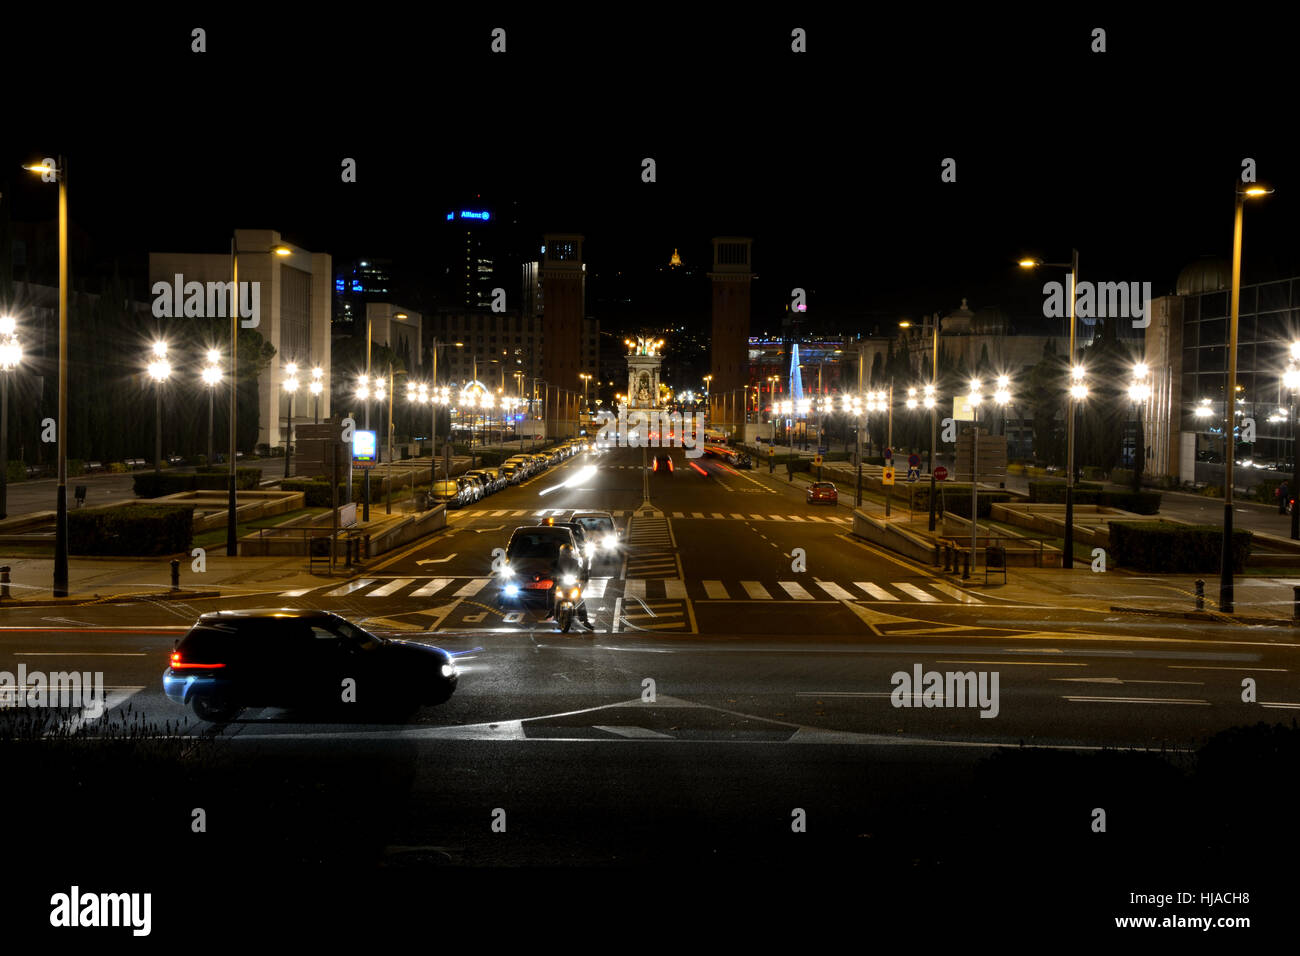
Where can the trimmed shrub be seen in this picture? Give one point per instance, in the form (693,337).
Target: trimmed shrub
(1175,549)
(151,485)
(1138,502)
(1053,492)
(76,467)
(15,471)
(1267,490)
(1122,476)
(131,529)
(1212,491)
(316,491)
(956,501)
(1093,473)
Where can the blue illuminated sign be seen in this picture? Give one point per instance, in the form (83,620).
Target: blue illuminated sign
(466,214)
(450,216)
(338,285)
(356,285)
(363,447)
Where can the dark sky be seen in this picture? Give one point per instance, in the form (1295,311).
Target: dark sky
(830,159)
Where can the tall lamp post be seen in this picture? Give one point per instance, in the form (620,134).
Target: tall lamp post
(57,171)
(1139,391)
(290,386)
(1292,382)
(317,386)
(1077,383)
(159,371)
(11,356)
(1244,191)
(212,378)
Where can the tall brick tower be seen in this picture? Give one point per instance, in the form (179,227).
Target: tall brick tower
(563,277)
(731,276)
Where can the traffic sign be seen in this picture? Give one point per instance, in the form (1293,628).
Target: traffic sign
(941,473)
(913,474)
(823,449)
(817,460)
(889,453)
(888,477)
(771,450)
(914,460)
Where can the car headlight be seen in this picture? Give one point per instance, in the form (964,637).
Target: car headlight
(575,593)
(512,590)
(570,579)
(590,548)
(611,541)
(448,670)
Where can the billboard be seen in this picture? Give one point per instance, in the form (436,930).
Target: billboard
(363,448)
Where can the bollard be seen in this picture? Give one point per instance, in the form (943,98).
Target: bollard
(4,581)
(176,575)
(1200,595)
(965,566)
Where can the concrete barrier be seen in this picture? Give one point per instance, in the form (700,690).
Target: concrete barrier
(894,538)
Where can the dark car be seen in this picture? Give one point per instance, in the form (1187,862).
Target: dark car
(738,459)
(539,561)
(290,658)
(663,465)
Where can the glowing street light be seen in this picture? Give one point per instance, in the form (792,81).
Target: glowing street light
(290,386)
(11,356)
(211,376)
(159,370)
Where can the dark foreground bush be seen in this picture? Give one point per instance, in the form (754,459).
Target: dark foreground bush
(131,529)
(1175,549)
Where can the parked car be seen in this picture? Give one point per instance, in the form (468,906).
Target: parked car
(282,657)
(449,492)
(472,489)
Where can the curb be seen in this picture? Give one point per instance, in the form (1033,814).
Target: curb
(1208,616)
(105,599)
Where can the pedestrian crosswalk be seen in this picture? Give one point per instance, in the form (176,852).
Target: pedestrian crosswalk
(530,513)
(651,588)
(749,516)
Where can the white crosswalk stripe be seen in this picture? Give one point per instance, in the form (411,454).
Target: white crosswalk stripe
(433,587)
(958,593)
(595,588)
(472,587)
(391,587)
(877,592)
(916,592)
(634,587)
(795,590)
(715,590)
(755,591)
(674,588)
(835,591)
(351,586)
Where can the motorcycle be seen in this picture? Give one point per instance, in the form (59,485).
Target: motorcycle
(566,606)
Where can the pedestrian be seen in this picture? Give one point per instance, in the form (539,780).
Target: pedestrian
(1283,496)
(789,467)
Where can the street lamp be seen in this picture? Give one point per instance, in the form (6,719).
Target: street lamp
(1243,192)
(11,356)
(317,386)
(290,385)
(159,370)
(211,378)
(51,170)
(1139,391)
(1292,382)
(1067,556)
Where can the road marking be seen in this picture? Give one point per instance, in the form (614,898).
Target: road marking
(678,514)
(634,588)
(1017,663)
(913,590)
(500,514)
(958,593)
(424,561)
(595,588)
(757,517)
(350,587)
(1195,667)
(1137,700)
(472,587)
(618,615)
(741,517)
(775,518)
(433,587)
(879,593)
(298,593)
(674,588)
(756,591)
(715,590)
(391,587)
(795,590)
(835,591)
(636,733)
(696,514)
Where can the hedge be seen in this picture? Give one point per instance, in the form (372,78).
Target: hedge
(131,529)
(1137,502)
(1175,549)
(149,484)
(1053,492)
(1266,490)
(959,504)
(316,492)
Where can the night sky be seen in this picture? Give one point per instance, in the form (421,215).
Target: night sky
(830,160)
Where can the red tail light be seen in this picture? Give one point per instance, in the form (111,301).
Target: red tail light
(177,663)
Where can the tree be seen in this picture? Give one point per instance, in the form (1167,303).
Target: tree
(1047,398)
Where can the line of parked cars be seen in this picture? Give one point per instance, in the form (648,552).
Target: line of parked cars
(477,484)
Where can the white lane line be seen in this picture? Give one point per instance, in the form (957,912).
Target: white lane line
(350,587)
(433,587)
(835,591)
(636,733)
(1018,663)
(715,590)
(391,587)
(674,588)
(1197,667)
(795,590)
(958,593)
(472,587)
(913,590)
(1137,700)
(879,593)
(634,587)
(618,615)
(756,591)
(1279,705)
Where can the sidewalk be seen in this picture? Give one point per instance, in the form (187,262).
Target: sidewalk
(32,579)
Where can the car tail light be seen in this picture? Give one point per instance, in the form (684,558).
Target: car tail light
(178,664)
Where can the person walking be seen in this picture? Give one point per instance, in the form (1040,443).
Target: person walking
(1283,496)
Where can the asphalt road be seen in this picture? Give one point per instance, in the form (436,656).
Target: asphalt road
(726,692)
